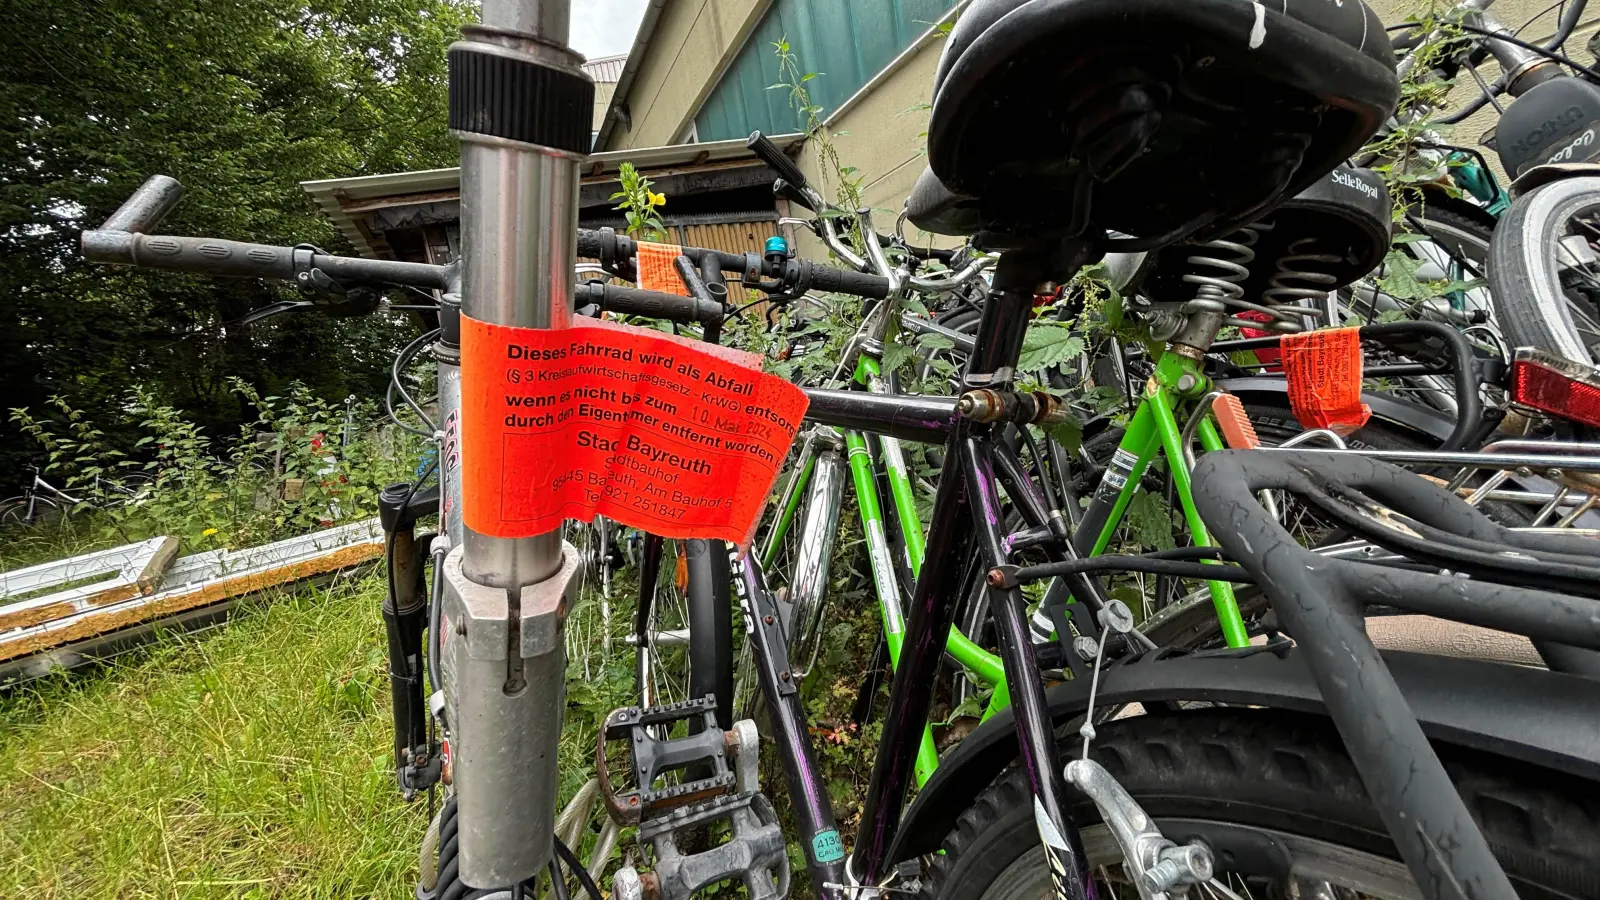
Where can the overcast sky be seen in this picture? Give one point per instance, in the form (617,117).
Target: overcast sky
(605,27)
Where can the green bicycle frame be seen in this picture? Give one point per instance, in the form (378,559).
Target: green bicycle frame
(1154,429)
(985,666)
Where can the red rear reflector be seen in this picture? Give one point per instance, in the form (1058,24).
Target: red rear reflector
(1556,386)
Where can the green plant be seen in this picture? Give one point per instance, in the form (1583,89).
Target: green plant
(304,463)
(845,181)
(640,204)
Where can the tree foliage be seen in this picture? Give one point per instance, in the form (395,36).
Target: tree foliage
(240,100)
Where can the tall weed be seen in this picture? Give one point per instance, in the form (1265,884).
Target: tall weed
(304,463)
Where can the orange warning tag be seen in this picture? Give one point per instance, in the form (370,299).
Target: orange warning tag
(1237,431)
(656,272)
(1324,372)
(676,437)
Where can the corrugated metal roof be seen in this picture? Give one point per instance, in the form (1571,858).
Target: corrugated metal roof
(606,68)
(332,195)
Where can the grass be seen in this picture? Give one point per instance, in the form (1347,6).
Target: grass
(251,762)
(254,761)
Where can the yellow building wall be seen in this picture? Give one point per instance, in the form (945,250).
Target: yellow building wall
(693,43)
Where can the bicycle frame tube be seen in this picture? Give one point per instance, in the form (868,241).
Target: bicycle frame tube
(808,793)
(968,489)
(1233,630)
(1154,429)
(1036,740)
(985,665)
(884,577)
(894,461)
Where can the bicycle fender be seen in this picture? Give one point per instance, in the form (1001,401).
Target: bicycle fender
(1525,715)
(1539,176)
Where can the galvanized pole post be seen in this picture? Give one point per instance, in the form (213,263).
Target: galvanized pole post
(521,106)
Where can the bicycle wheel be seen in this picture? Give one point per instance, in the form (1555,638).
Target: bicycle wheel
(44,511)
(683,626)
(1543,270)
(1242,780)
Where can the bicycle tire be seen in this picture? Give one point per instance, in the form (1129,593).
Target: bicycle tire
(45,511)
(1241,778)
(683,625)
(447,883)
(1531,306)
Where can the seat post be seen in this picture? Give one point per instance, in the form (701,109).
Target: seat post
(1021,275)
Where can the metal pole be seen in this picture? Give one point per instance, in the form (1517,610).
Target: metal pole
(521,107)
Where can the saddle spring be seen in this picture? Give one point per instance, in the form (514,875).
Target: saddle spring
(1297,294)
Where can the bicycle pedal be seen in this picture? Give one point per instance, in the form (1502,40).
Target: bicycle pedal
(754,852)
(653,755)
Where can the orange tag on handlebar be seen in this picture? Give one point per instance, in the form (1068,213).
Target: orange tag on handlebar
(1324,372)
(656,272)
(673,436)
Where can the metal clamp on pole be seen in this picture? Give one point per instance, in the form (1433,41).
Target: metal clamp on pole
(521,106)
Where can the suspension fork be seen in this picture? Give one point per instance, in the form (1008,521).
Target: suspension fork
(506,598)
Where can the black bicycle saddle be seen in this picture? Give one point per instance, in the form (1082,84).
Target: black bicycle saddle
(1160,119)
(935,208)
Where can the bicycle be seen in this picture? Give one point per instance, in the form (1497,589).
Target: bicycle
(502,697)
(43,503)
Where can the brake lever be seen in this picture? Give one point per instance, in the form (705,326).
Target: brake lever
(275,309)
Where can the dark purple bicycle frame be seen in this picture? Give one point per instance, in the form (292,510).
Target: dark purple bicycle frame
(966,516)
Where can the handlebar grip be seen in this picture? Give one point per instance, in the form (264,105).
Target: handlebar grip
(650,304)
(591,243)
(233,259)
(827,278)
(142,212)
(772,156)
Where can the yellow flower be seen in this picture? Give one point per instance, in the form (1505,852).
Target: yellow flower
(208,532)
(657,199)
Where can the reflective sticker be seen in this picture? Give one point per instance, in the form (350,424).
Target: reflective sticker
(883,574)
(1237,431)
(1055,850)
(1117,473)
(826,847)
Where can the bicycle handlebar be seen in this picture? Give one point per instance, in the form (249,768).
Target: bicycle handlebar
(798,275)
(769,153)
(143,211)
(651,304)
(122,241)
